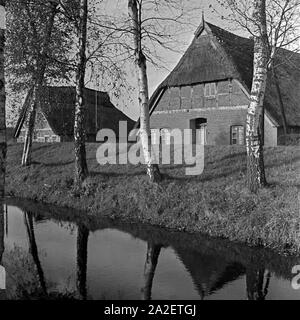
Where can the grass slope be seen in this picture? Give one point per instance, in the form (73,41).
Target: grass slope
(215,203)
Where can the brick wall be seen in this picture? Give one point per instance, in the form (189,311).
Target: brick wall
(178,106)
(219,122)
(40,135)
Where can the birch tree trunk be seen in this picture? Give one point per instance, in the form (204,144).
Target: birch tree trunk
(141,66)
(254,135)
(37,83)
(81,169)
(3,145)
(153,252)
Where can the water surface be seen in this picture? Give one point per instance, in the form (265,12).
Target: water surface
(62,254)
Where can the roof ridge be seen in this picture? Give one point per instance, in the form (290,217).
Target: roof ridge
(244,38)
(226,31)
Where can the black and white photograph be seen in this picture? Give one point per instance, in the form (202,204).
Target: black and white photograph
(149,153)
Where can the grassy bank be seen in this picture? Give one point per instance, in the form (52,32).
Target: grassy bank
(215,203)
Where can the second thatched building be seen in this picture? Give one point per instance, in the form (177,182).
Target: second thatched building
(55,117)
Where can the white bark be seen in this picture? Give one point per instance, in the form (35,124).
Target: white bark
(3,145)
(141,66)
(254,131)
(81,169)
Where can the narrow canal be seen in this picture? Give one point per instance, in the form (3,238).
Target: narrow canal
(58,253)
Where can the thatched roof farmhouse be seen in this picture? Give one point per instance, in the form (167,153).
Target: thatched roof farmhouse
(210,86)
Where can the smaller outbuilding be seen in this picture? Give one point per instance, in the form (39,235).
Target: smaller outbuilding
(55,116)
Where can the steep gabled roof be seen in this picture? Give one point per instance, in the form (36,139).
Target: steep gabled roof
(198,64)
(57,104)
(216,54)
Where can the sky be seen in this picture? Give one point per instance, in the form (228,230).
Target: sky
(157,75)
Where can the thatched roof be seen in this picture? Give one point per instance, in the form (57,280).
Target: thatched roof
(223,55)
(57,104)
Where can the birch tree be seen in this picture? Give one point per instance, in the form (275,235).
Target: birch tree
(276,27)
(283,26)
(3,145)
(38,42)
(81,168)
(155,27)
(38,81)
(254,144)
(135,14)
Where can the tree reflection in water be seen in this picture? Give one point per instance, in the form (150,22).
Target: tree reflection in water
(212,264)
(153,251)
(82,256)
(2,291)
(33,249)
(257,282)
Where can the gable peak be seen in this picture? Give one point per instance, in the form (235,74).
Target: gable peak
(201,26)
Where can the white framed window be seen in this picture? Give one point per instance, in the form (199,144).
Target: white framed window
(210,90)
(237,135)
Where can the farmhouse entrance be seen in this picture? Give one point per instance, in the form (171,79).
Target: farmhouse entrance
(199,127)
